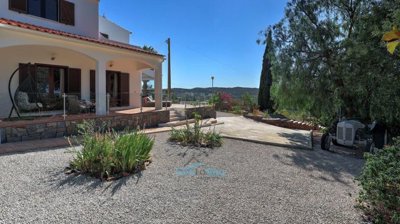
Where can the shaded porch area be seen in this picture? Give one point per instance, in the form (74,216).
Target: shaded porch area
(57,126)
(37,72)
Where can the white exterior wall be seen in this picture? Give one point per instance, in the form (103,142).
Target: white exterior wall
(115,32)
(86,18)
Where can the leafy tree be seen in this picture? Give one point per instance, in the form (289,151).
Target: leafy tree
(264,95)
(330,59)
(248,102)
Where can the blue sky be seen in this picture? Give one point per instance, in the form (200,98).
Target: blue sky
(208,37)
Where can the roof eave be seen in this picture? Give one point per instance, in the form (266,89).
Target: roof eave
(81,41)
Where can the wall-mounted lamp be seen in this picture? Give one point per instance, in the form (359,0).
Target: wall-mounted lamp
(53,57)
(111,64)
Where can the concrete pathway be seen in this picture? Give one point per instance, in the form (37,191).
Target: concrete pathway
(55,143)
(229,125)
(238,127)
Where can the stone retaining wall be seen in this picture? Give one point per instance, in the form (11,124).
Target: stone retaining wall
(284,123)
(204,112)
(54,129)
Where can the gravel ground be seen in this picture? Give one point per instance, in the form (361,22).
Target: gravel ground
(262,184)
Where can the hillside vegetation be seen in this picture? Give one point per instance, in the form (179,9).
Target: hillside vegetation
(206,93)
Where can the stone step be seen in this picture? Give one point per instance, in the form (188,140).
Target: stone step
(176,123)
(176,116)
(210,121)
(176,119)
(207,122)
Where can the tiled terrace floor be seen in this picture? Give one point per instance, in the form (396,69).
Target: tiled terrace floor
(55,118)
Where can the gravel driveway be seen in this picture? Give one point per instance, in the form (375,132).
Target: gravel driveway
(241,182)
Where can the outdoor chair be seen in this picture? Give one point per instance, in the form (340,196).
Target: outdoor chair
(22,101)
(149,102)
(73,104)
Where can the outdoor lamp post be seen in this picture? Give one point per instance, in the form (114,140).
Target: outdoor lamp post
(212,90)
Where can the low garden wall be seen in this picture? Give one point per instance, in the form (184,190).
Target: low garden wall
(204,112)
(284,123)
(53,129)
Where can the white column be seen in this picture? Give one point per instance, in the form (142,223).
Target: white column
(158,87)
(140,89)
(135,89)
(85,84)
(101,98)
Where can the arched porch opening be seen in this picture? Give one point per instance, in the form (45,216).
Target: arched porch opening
(55,70)
(124,82)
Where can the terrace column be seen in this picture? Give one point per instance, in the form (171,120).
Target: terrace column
(158,86)
(101,95)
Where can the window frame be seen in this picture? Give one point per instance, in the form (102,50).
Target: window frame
(60,10)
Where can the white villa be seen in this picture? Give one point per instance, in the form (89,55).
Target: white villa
(64,46)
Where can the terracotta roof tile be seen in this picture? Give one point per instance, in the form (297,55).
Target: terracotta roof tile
(75,36)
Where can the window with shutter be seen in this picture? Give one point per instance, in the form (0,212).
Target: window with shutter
(51,9)
(92,84)
(124,89)
(73,82)
(67,12)
(25,84)
(23,72)
(35,8)
(18,5)
(58,10)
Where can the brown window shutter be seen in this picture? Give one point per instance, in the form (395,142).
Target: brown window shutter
(23,72)
(92,84)
(67,12)
(73,82)
(124,89)
(18,5)
(27,85)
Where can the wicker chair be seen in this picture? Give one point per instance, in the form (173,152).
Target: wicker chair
(23,104)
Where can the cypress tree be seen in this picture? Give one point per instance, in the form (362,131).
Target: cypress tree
(264,95)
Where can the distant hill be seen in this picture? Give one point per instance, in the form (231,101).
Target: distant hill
(202,93)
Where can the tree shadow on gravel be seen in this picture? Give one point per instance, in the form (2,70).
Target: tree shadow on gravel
(296,138)
(91,184)
(176,149)
(333,167)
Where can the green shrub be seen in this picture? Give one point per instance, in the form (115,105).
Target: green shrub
(380,183)
(195,136)
(236,109)
(106,154)
(248,102)
(212,139)
(131,150)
